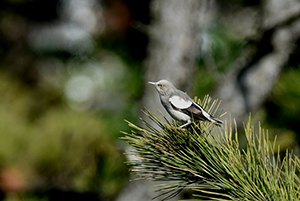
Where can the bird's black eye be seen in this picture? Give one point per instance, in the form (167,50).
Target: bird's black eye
(159,85)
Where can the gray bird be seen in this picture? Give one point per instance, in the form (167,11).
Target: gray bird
(180,106)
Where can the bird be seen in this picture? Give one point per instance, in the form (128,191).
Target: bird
(181,106)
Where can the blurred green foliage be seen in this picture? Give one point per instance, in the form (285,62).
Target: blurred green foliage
(220,49)
(283,108)
(225,48)
(59,148)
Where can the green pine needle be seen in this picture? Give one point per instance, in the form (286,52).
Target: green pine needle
(209,160)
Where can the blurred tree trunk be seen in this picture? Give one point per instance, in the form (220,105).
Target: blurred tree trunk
(174,44)
(175,40)
(270,44)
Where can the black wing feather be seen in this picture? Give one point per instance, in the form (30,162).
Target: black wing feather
(195,112)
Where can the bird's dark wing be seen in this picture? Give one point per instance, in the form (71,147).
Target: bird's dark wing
(197,112)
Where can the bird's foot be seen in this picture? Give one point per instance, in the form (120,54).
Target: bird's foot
(184,125)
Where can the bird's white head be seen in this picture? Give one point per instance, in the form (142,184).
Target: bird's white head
(164,87)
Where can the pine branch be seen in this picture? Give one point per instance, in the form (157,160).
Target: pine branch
(209,160)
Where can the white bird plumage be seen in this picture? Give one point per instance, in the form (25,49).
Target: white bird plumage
(179,102)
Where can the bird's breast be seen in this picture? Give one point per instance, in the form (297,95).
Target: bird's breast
(178,115)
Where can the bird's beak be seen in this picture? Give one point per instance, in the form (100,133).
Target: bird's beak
(152,83)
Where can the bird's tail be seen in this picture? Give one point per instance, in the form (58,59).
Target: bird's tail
(210,118)
(204,116)
(217,122)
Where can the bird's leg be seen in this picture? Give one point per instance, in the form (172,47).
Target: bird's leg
(186,124)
